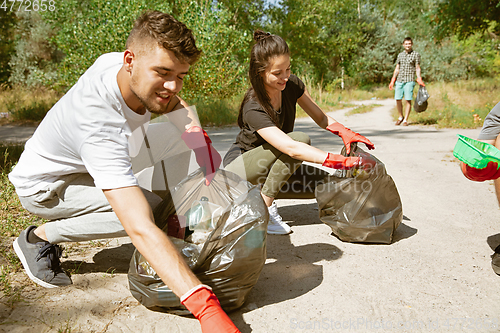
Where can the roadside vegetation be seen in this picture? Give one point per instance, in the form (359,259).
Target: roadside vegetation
(14,218)
(458,104)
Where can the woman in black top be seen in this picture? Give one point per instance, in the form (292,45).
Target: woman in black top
(267,151)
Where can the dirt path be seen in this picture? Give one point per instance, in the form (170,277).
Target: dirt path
(436,276)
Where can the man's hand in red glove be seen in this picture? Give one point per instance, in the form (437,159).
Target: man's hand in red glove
(337,161)
(419,81)
(205,306)
(480,175)
(206,155)
(391,85)
(349,136)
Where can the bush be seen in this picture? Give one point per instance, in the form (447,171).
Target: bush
(86,30)
(35,59)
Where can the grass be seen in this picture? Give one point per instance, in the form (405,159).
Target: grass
(13,219)
(218,112)
(25,105)
(461,104)
(359,109)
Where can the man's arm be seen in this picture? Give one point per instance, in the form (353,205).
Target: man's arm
(136,216)
(394,77)
(418,71)
(419,76)
(137,219)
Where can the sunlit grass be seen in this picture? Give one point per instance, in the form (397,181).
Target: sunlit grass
(25,105)
(461,104)
(218,112)
(358,109)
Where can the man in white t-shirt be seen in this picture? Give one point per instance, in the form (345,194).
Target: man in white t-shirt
(76,170)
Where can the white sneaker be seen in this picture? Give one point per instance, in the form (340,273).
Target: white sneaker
(276,225)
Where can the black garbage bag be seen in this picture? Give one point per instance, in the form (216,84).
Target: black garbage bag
(220,230)
(420,104)
(360,205)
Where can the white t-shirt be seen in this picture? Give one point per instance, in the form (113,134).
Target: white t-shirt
(86,131)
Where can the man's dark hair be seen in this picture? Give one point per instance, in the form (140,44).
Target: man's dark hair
(408,38)
(167,32)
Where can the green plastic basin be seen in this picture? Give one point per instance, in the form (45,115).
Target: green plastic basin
(475,153)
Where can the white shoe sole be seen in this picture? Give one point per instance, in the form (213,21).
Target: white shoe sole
(272,232)
(20,254)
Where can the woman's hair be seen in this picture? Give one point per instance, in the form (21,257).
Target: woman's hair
(156,28)
(266,47)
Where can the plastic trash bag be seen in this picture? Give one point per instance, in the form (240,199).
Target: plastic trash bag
(420,104)
(360,205)
(220,230)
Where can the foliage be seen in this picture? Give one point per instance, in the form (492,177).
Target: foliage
(7,24)
(94,27)
(466,17)
(352,43)
(219,74)
(376,60)
(34,60)
(88,29)
(322,35)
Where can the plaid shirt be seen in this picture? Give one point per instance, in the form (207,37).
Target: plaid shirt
(407,63)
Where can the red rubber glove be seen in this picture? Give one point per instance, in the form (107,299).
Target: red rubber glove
(349,136)
(336,161)
(205,306)
(419,81)
(391,85)
(206,155)
(480,175)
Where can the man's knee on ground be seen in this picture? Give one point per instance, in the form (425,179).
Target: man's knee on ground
(300,137)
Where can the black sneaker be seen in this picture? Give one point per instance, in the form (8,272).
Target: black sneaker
(41,261)
(495,260)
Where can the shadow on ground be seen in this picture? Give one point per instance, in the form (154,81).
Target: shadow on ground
(493,241)
(108,260)
(290,272)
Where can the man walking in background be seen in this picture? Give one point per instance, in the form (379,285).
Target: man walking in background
(407,65)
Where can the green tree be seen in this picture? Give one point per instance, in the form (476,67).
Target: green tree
(87,29)
(7,25)
(465,17)
(220,73)
(322,35)
(34,59)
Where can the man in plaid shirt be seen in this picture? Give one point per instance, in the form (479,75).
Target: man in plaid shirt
(407,64)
